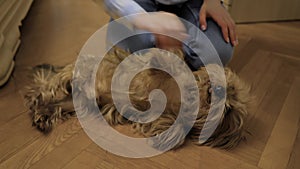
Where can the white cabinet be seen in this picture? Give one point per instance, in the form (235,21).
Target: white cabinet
(12,12)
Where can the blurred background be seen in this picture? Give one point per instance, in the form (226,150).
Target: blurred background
(245,11)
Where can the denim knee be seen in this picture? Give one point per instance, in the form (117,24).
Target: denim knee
(214,34)
(225,52)
(190,12)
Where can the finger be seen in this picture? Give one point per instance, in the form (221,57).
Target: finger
(180,27)
(232,36)
(176,29)
(232,32)
(174,23)
(202,18)
(224,28)
(225,34)
(180,30)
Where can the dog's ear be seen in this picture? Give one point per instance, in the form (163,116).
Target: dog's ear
(238,102)
(237,92)
(230,131)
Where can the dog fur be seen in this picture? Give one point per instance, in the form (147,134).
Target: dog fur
(49,100)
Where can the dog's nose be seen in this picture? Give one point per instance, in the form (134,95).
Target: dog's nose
(219,91)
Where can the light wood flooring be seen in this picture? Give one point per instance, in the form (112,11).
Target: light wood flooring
(268,58)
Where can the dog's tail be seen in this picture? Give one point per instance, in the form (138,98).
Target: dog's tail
(48,96)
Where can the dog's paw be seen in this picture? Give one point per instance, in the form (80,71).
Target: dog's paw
(42,122)
(44,118)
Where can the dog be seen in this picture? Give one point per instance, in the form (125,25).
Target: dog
(49,99)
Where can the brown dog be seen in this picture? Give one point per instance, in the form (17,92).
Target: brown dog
(49,99)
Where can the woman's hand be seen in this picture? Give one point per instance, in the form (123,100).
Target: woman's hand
(162,24)
(215,10)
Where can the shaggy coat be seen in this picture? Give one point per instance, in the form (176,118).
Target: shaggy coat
(49,100)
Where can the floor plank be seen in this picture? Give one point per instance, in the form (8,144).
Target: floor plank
(54,32)
(15,135)
(280,144)
(43,145)
(294,161)
(63,154)
(261,77)
(89,160)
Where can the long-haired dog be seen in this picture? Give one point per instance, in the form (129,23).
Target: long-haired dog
(49,98)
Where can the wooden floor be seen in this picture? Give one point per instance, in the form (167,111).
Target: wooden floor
(268,57)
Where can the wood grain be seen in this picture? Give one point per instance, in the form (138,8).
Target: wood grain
(280,144)
(54,32)
(294,162)
(42,146)
(267,10)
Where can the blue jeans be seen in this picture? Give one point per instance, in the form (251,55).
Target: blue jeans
(190,12)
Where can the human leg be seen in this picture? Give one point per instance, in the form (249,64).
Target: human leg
(190,12)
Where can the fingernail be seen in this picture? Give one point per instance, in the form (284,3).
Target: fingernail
(236,42)
(227,40)
(203,27)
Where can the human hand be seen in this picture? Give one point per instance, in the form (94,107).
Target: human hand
(169,31)
(215,10)
(167,43)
